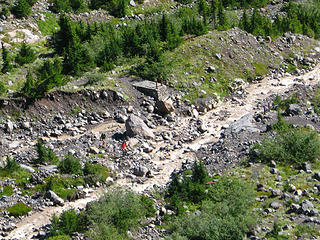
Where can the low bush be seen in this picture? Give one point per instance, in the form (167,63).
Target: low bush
(5,12)
(25,55)
(94,77)
(21,9)
(63,187)
(70,165)
(315,100)
(226,214)
(190,188)
(294,147)
(45,155)
(94,173)
(19,209)
(116,213)
(2,88)
(48,76)
(60,237)
(6,191)
(283,104)
(66,224)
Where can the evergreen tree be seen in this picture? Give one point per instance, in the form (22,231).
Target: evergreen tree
(164,28)
(244,22)
(62,39)
(214,7)
(2,88)
(21,9)
(49,76)
(7,66)
(76,59)
(199,173)
(45,155)
(222,19)
(25,55)
(28,89)
(203,10)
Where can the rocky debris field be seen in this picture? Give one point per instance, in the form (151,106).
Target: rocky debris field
(162,136)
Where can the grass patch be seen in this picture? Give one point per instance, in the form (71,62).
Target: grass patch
(283,104)
(94,173)
(295,147)
(260,69)
(13,170)
(50,25)
(6,191)
(307,230)
(19,209)
(316,100)
(63,187)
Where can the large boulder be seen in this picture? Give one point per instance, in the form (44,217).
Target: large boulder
(165,106)
(54,198)
(136,126)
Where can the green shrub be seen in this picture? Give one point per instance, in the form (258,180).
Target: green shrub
(11,166)
(66,224)
(45,155)
(2,88)
(49,25)
(19,209)
(120,210)
(21,9)
(190,189)
(6,191)
(294,147)
(94,77)
(315,100)
(6,65)
(94,173)
(117,8)
(105,232)
(32,2)
(5,12)
(49,76)
(225,215)
(25,55)
(70,165)
(283,104)
(60,237)
(63,187)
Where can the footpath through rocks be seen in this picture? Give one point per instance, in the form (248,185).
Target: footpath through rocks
(225,113)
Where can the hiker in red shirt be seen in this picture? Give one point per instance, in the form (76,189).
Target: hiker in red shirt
(123,147)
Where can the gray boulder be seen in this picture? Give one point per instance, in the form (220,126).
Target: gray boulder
(27,168)
(244,124)
(165,106)
(136,126)
(140,171)
(54,198)
(293,109)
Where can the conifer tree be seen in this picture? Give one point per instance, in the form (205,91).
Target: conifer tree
(244,22)
(213,10)
(222,19)
(64,36)
(28,88)
(21,9)
(7,66)
(164,27)
(25,55)
(2,88)
(203,10)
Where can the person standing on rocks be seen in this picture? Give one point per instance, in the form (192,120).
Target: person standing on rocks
(124,147)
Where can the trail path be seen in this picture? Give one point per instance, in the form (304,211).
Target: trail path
(25,229)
